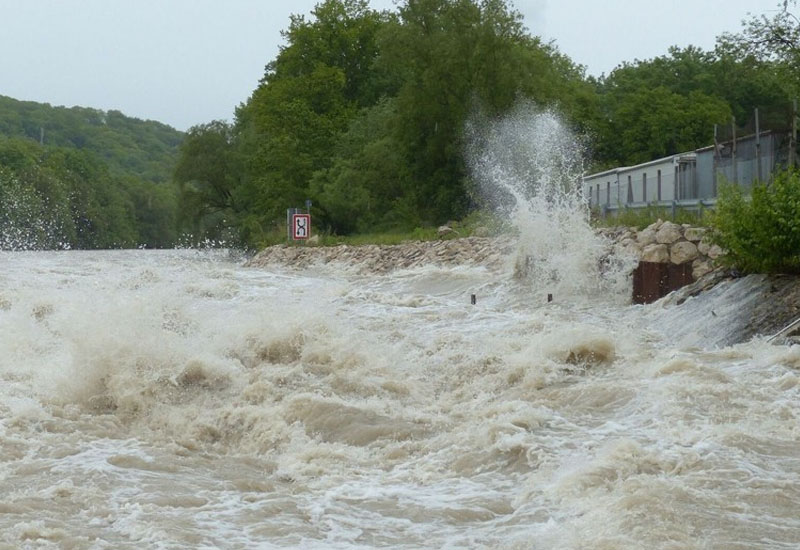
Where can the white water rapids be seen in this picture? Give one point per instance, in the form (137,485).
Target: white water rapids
(178,400)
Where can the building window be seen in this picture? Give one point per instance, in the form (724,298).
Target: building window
(658,184)
(644,187)
(630,190)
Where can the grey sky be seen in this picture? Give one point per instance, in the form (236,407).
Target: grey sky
(185,62)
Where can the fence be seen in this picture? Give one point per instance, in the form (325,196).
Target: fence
(740,154)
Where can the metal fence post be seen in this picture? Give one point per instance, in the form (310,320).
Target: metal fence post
(733,152)
(758,148)
(793,141)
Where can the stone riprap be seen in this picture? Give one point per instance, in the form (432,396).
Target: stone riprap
(667,242)
(491,252)
(661,242)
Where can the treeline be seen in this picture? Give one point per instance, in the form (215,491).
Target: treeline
(63,197)
(129,146)
(363,112)
(84,178)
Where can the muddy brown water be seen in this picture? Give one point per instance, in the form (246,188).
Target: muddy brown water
(179,400)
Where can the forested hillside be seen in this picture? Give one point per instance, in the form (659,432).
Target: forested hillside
(83,178)
(130,146)
(363,112)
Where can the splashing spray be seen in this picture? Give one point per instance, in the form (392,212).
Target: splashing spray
(528,165)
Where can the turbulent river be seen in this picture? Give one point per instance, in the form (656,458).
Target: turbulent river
(180,400)
(176,399)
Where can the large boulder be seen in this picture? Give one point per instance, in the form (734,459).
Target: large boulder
(668,233)
(694,234)
(683,252)
(646,237)
(658,253)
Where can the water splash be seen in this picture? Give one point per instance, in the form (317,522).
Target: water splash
(26,218)
(528,165)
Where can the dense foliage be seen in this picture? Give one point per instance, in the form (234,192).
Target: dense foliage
(129,146)
(363,112)
(83,178)
(761,233)
(60,197)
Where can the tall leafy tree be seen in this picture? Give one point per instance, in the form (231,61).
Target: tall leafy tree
(206,173)
(456,56)
(774,38)
(307,98)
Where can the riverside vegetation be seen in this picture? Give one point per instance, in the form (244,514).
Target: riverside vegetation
(363,112)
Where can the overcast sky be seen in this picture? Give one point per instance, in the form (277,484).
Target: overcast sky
(186,62)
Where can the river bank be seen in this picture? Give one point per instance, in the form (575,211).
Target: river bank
(722,306)
(662,242)
(491,252)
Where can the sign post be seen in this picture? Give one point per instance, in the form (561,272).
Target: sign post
(301,226)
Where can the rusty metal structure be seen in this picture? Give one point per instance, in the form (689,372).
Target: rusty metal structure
(652,280)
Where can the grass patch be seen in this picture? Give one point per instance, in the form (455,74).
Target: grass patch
(479,224)
(643,217)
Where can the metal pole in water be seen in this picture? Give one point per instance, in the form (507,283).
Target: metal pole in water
(549,298)
(473,299)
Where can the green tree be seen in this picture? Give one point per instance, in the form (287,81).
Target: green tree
(310,93)
(455,56)
(207,176)
(772,39)
(653,123)
(99,180)
(670,103)
(363,190)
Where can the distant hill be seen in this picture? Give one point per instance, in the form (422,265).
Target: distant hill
(130,147)
(84,178)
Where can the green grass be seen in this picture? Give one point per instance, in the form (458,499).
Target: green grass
(642,217)
(490,224)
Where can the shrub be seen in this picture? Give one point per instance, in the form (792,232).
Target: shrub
(761,233)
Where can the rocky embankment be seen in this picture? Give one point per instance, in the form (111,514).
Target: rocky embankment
(486,251)
(667,242)
(660,242)
(719,308)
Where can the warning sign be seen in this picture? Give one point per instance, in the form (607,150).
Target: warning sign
(301,226)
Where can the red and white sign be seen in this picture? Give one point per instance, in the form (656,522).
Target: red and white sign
(301,226)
